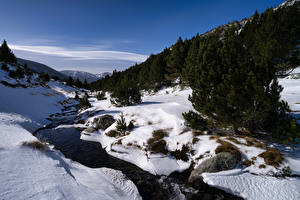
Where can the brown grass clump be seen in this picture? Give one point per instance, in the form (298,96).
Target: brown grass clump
(247,162)
(159,134)
(227,147)
(214,137)
(113,133)
(36,145)
(195,140)
(149,123)
(253,158)
(250,141)
(184,130)
(262,166)
(197,133)
(234,140)
(119,142)
(156,144)
(272,157)
(260,145)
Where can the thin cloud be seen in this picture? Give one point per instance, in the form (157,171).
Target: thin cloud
(81,53)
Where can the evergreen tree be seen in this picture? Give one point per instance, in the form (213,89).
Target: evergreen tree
(70,81)
(126,93)
(6,54)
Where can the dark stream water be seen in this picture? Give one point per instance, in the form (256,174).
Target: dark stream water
(91,154)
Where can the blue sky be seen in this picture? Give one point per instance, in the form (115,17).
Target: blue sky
(100,35)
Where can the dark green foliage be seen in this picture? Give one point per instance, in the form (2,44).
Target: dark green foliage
(27,71)
(44,77)
(232,72)
(84,103)
(100,95)
(19,73)
(76,96)
(70,81)
(121,124)
(130,125)
(4,67)
(77,83)
(126,94)
(194,120)
(85,84)
(56,78)
(181,154)
(6,54)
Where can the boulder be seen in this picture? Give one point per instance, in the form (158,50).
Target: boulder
(89,130)
(222,161)
(103,122)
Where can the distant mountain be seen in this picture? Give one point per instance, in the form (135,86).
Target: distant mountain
(81,75)
(39,67)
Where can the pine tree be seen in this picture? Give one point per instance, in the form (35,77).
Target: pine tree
(6,54)
(70,81)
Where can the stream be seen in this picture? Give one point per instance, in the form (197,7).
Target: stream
(91,154)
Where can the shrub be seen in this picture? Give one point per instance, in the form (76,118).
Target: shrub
(44,77)
(272,157)
(130,125)
(156,144)
(194,120)
(36,145)
(100,96)
(76,96)
(19,73)
(121,124)
(126,94)
(113,133)
(84,103)
(181,154)
(5,67)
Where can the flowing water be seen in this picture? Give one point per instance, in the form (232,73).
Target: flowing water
(91,154)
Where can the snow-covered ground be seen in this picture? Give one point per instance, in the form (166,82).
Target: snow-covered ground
(163,110)
(28,173)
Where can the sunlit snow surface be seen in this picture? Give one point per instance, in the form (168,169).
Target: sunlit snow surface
(26,173)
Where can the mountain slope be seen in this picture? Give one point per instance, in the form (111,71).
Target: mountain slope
(81,75)
(39,67)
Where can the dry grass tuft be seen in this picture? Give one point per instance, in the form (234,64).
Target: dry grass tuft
(36,145)
(272,157)
(247,162)
(228,147)
(195,140)
(234,140)
(262,166)
(156,144)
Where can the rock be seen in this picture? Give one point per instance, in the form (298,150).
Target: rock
(89,130)
(220,162)
(104,122)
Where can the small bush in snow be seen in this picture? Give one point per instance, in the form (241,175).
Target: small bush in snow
(84,102)
(100,96)
(126,94)
(4,67)
(272,157)
(157,144)
(181,154)
(36,145)
(194,120)
(121,124)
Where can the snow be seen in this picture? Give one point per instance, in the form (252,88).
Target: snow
(163,110)
(255,187)
(27,173)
